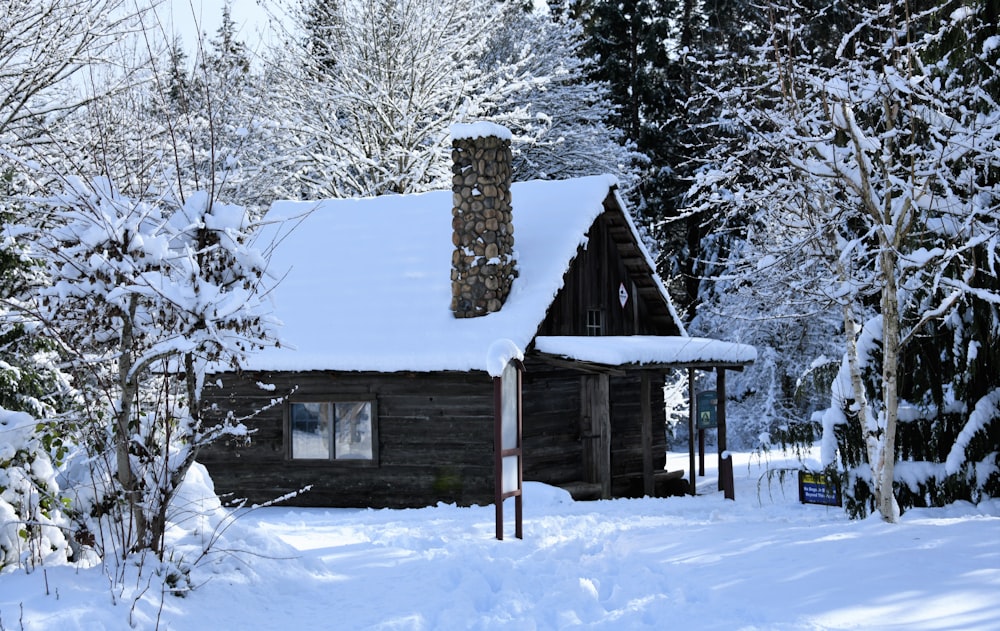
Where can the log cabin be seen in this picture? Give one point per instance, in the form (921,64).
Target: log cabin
(379,395)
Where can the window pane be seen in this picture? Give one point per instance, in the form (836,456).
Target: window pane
(595,322)
(311,430)
(354,430)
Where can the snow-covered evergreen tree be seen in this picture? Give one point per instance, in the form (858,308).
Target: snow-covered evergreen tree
(44,47)
(146,273)
(874,180)
(369,89)
(543,93)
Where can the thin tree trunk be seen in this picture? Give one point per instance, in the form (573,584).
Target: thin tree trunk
(858,387)
(880,437)
(123,435)
(885,469)
(173,478)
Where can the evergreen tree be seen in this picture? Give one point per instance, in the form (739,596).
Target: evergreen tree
(214,109)
(629,42)
(871,184)
(374,86)
(543,93)
(30,379)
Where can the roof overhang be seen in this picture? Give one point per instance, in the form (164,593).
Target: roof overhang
(643,352)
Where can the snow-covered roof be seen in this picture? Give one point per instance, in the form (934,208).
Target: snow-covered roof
(366,283)
(647,349)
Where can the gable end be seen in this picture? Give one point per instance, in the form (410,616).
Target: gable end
(610,260)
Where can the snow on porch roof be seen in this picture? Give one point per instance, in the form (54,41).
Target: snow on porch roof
(648,350)
(365,284)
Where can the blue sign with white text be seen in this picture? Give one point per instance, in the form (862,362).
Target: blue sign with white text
(818,488)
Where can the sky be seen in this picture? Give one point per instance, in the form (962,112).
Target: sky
(763,562)
(189,17)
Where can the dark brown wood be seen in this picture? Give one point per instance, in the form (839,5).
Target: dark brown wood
(551,424)
(692,401)
(725,460)
(498,459)
(519,498)
(596,431)
(611,257)
(433,441)
(701,452)
(434,436)
(647,438)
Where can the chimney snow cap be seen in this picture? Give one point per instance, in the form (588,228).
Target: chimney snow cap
(461,131)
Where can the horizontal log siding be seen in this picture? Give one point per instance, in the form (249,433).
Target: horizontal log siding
(435,441)
(435,437)
(551,424)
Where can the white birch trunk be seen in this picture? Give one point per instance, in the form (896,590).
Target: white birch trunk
(880,433)
(884,467)
(865,417)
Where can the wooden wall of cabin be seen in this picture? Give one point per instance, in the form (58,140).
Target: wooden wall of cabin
(626,431)
(554,430)
(593,282)
(435,434)
(550,430)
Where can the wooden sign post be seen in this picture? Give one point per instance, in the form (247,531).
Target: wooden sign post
(508,468)
(706,419)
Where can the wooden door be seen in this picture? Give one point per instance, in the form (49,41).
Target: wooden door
(595,418)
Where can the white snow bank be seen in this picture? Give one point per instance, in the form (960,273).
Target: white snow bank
(762,562)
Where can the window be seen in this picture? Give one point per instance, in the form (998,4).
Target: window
(332,430)
(595,322)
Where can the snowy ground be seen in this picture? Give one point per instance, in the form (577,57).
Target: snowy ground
(761,562)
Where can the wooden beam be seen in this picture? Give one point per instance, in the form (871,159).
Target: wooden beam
(602,409)
(580,365)
(595,401)
(607,369)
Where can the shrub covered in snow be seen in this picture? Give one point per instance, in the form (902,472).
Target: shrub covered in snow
(32,524)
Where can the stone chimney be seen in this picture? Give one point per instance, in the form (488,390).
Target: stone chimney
(483,265)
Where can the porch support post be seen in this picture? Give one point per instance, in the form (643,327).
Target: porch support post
(498,455)
(602,414)
(725,459)
(691,431)
(648,487)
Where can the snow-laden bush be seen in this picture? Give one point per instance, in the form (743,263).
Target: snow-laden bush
(33,527)
(144,295)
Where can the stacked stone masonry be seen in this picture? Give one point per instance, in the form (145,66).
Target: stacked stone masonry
(483,266)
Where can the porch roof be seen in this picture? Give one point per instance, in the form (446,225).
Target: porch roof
(647,351)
